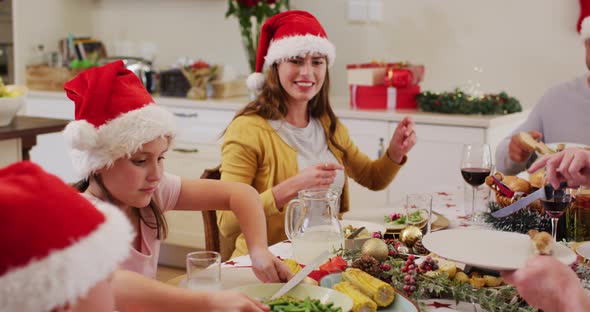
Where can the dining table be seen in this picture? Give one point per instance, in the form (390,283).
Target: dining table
(447,201)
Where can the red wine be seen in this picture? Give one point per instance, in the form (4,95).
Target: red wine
(475,176)
(556,209)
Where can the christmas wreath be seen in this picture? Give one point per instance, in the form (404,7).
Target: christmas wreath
(458,102)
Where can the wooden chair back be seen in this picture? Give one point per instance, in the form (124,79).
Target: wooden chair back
(210,216)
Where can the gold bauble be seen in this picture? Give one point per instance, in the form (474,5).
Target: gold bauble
(376,248)
(409,235)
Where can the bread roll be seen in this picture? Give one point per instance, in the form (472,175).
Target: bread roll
(542,242)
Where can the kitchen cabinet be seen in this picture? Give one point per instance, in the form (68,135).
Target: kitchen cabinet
(367,135)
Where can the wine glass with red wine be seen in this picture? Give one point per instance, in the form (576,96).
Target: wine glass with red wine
(556,203)
(476,165)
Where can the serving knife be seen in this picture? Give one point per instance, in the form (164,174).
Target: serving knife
(294,281)
(521,203)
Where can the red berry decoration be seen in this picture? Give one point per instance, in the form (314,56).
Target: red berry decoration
(377,234)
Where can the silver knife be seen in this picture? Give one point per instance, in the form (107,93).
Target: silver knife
(302,274)
(521,203)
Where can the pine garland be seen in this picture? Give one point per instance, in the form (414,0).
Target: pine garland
(521,221)
(458,102)
(504,298)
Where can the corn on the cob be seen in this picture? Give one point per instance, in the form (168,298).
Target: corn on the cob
(376,289)
(293,265)
(361,303)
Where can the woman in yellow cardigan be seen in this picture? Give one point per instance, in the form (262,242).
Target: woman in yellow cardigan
(289,138)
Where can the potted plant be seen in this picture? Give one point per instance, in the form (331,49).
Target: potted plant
(251,15)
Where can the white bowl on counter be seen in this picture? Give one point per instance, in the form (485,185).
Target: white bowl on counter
(9,106)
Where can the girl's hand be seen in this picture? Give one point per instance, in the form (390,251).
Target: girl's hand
(232,301)
(402,141)
(268,268)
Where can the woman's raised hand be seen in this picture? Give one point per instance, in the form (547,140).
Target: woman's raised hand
(402,141)
(268,268)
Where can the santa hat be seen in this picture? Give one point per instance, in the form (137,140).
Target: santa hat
(55,244)
(115,116)
(585,29)
(289,34)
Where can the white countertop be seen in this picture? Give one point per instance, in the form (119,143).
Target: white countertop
(339,103)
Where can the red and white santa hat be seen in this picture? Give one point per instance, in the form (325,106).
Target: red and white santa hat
(55,244)
(115,116)
(289,34)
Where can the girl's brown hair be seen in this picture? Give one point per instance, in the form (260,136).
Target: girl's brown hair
(159,221)
(271,104)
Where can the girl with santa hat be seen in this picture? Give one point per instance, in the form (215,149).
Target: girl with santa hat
(289,138)
(118,144)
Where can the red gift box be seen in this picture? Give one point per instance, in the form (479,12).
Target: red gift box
(372,74)
(382,97)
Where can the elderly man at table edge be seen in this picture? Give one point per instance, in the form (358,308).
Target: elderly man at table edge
(289,138)
(560,116)
(544,282)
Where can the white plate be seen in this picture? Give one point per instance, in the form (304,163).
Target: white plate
(489,249)
(584,250)
(370,226)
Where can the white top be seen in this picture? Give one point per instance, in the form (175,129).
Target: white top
(310,144)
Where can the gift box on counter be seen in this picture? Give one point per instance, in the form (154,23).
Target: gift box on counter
(383,97)
(391,74)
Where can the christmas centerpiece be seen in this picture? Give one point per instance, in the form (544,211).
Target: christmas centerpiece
(459,102)
(428,277)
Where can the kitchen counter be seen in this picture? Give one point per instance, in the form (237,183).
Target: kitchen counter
(20,136)
(339,104)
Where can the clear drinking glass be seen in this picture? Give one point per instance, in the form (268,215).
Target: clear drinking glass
(203,270)
(476,165)
(419,210)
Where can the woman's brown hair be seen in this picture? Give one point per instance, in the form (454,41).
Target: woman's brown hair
(159,223)
(271,104)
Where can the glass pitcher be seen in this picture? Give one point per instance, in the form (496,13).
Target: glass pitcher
(311,223)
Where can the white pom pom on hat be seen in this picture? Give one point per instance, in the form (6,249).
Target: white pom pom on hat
(80,135)
(255,81)
(289,34)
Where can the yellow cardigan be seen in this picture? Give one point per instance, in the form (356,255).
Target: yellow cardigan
(253,153)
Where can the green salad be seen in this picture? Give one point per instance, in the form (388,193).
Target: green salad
(397,218)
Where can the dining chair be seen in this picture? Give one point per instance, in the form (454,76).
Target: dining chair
(210,216)
(214,241)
